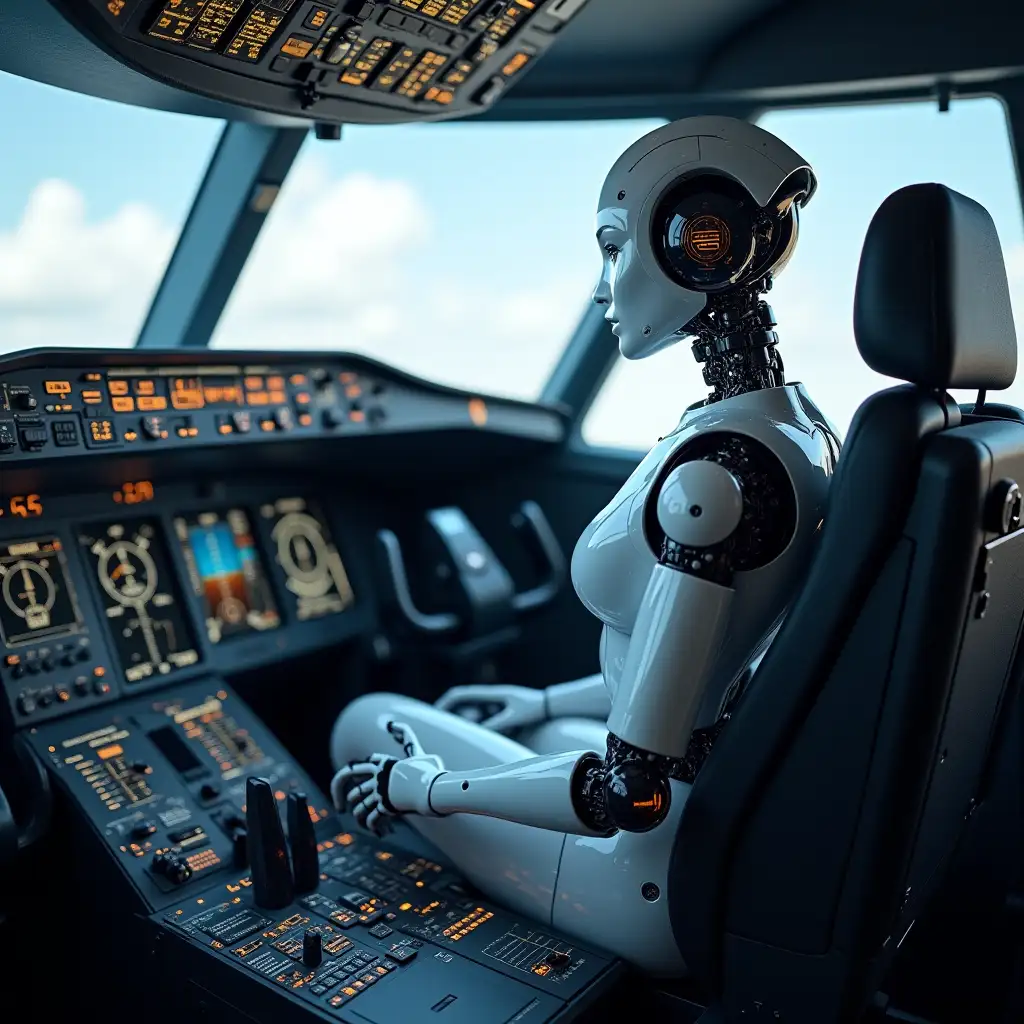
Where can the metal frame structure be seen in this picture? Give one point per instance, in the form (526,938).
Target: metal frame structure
(237,192)
(251,162)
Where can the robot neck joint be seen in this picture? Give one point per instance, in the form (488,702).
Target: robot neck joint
(737,347)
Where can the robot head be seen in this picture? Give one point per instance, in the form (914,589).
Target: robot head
(700,207)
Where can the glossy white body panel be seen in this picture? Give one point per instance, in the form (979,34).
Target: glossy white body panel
(535,792)
(677,639)
(586,698)
(613,563)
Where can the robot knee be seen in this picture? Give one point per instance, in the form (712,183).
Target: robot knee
(356,730)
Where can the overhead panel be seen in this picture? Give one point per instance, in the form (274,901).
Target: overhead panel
(329,60)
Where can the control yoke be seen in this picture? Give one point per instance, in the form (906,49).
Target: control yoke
(483,579)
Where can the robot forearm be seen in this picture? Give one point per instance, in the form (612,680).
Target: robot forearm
(583,698)
(537,791)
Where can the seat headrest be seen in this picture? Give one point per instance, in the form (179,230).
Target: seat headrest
(933,305)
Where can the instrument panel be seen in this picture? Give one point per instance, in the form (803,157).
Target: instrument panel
(59,405)
(104,594)
(223,545)
(355,61)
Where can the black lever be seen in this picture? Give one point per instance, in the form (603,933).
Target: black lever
(302,840)
(268,854)
(533,525)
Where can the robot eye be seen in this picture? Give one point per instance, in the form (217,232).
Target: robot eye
(704,233)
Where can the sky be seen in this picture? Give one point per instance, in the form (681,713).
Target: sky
(463,252)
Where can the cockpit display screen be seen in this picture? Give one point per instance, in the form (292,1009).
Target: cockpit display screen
(303,548)
(149,625)
(227,573)
(36,598)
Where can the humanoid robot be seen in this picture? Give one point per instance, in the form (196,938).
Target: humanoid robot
(690,568)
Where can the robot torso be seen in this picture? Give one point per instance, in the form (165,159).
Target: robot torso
(613,560)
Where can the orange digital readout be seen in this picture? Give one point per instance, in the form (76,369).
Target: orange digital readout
(134,492)
(26,506)
(187,393)
(106,753)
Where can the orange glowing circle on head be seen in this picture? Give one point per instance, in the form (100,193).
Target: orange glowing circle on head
(706,238)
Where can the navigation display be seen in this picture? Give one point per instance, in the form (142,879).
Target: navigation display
(36,598)
(313,570)
(227,573)
(149,626)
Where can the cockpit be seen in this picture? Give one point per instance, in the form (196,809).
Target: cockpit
(413,608)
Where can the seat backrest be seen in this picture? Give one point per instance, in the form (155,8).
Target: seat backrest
(839,787)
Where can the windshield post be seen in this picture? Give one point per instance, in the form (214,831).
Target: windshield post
(237,192)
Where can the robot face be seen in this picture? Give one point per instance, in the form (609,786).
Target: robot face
(645,311)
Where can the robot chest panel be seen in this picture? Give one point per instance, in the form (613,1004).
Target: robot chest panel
(612,561)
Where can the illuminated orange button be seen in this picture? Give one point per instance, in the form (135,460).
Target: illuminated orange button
(353,390)
(145,387)
(58,387)
(298,379)
(152,403)
(253,383)
(99,671)
(357,416)
(277,398)
(123,404)
(305,419)
(130,435)
(275,383)
(118,387)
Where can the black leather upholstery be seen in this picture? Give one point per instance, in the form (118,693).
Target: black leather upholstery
(933,304)
(796,845)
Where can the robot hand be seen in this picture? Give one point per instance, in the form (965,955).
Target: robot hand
(501,708)
(384,786)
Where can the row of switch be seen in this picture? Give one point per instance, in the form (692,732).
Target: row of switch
(83,686)
(44,661)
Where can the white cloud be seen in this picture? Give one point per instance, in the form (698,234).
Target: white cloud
(342,263)
(65,280)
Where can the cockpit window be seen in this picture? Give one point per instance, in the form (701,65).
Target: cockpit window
(861,155)
(92,197)
(463,253)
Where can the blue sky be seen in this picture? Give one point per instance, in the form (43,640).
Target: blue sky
(462,252)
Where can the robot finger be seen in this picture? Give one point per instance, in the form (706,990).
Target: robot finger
(359,793)
(345,777)
(362,811)
(406,738)
(376,821)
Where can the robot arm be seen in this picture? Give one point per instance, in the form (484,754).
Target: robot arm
(581,698)
(540,791)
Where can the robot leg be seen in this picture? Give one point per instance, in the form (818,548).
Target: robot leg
(515,865)
(560,735)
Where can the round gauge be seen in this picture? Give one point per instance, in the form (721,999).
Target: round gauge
(127,572)
(150,630)
(29,592)
(304,554)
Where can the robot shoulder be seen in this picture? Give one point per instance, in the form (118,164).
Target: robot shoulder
(724,502)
